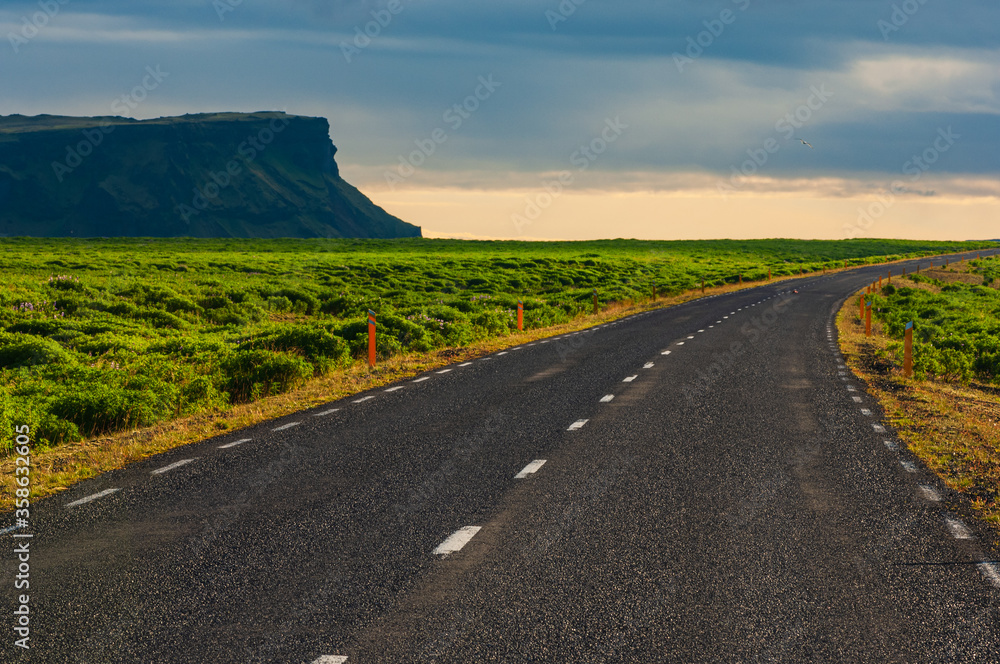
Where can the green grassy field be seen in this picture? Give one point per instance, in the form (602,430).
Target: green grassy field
(956,323)
(104,335)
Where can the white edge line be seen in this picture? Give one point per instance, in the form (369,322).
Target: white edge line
(363,399)
(87,499)
(666,352)
(456,540)
(176,464)
(989,570)
(330,659)
(530,469)
(607,397)
(393,389)
(326,412)
(289,425)
(465,364)
(577,425)
(234,444)
(420,380)
(958,529)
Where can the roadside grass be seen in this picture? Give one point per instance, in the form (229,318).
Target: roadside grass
(951,425)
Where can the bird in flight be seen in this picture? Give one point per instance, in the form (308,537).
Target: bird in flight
(804,142)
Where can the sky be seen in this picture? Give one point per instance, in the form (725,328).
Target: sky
(573,119)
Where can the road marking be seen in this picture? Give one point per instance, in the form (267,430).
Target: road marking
(530,345)
(465,364)
(908,466)
(330,659)
(502,353)
(82,501)
(865,411)
(234,444)
(841,373)
(530,468)
(326,412)
(393,389)
(851,388)
(607,397)
(666,352)
(691,337)
(930,493)
(10,529)
(457,540)
(732,313)
(295,424)
(710,326)
(647,365)
(989,570)
(443,371)
(420,380)
(176,464)
(890,444)
(724,317)
(630,378)
(576,426)
(958,529)
(857,399)
(719,321)
(878,428)
(700,331)
(680,343)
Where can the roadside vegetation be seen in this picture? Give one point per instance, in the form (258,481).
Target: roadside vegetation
(948,414)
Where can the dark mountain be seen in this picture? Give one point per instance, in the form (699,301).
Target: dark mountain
(212,175)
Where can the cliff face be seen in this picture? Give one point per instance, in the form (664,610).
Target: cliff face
(213,175)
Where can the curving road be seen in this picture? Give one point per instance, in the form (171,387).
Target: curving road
(705,483)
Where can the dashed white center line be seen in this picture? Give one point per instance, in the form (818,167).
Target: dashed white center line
(666,352)
(878,428)
(330,659)
(393,389)
(647,365)
(83,501)
(456,541)
(530,469)
(326,412)
(856,399)
(865,411)
(465,364)
(930,493)
(577,425)
(176,464)
(691,337)
(295,424)
(710,326)
(890,445)
(443,371)
(680,343)
(234,444)
(851,388)
(700,331)
(483,359)
(958,529)
(908,466)
(545,342)
(422,379)
(724,317)
(607,397)
(629,379)
(503,352)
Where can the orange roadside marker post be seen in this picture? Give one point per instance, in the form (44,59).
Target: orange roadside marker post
(861,306)
(890,276)
(868,319)
(520,315)
(702,285)
(845,265)
(741,278)
(371,338)
(908,351)
(880,282)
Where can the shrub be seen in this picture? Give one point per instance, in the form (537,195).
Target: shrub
(250,374)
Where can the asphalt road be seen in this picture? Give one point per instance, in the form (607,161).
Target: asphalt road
(715,488)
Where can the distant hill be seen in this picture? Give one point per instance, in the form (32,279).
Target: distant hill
(263,175)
